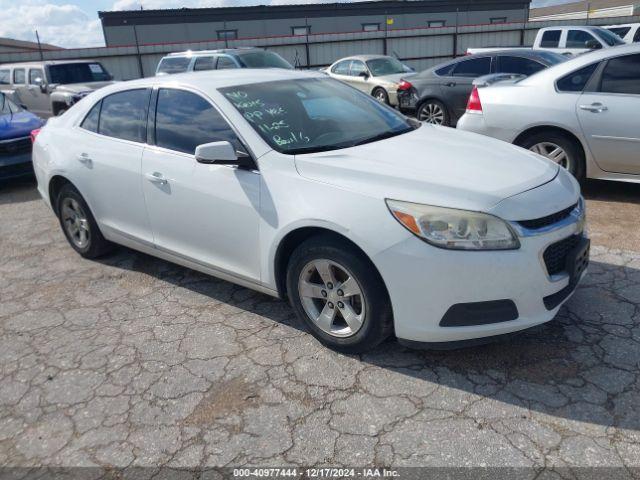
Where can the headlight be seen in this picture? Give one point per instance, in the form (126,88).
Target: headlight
(454,229)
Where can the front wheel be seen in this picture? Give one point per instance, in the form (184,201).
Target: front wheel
(339,295)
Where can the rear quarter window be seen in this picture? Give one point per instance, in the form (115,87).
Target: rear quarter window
(576,81)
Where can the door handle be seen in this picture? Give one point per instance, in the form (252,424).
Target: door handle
(84,158)
(450,84)
(156,177)
(594,108)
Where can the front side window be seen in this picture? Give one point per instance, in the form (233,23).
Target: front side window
(19,77)
(92,119)
(385,66)
(34,74)
(263,59)
(622,75)
(576,81)
(124,115)
(579,39)
(204,63)
(313,115)
(78,73)
(550,39)
(185,120)
(227,34)
(357,68)
(519,65)
(341,68)
(4,77)
(169,65)
(475,67)
(225,63)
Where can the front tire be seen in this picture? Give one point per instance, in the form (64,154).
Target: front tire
(79,225)
(339,295)
(558,148)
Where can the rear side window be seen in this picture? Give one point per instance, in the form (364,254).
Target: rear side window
(550,39)
(185,120)
(579,39)
(576,81)
(520,65)
(622,75)
(225,63)
(475,67)
(4,77)
(124,115)
(19,77)
(204,63)
(174,65)
(636,37)
(90,122)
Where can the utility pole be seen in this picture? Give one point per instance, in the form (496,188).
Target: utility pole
(39,46)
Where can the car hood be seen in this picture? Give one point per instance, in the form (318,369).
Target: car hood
(18,125)
(81,87)
(432,165)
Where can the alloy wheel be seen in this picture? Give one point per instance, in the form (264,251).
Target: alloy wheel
(553,152)
(331,297)
(75,222)
(431,113)
(381,96)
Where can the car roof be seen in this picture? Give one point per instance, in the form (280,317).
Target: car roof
(210,80)
(364,58)
(580,61)
(46,63)
(195,53)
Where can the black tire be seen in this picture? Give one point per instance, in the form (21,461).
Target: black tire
(576,162)
(381,94)
(423,111)
(377,323)
(96,245)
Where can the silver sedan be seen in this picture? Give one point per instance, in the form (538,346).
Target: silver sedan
(583,114)
(377,75)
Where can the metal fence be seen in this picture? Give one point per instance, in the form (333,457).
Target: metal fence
(418,47)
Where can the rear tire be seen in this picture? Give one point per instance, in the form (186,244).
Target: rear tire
(79,225)
(381,95)
(434,112)
(558,148)
(347,307)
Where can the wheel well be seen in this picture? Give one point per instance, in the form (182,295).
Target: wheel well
(55,185)
(291,241)
(561,131)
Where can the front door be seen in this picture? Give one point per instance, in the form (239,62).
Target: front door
(609,116)
(207,214)
(34,96)
(359,76)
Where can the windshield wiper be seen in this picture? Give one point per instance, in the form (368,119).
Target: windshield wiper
(381,136)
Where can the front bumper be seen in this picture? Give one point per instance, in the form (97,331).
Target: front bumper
(425,282)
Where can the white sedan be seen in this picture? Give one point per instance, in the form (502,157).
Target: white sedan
(300,187)
(582,114)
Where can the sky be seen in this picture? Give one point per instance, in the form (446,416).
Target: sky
(74,23)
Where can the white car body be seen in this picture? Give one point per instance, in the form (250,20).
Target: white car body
(341,191)
(631,31)
(606,125)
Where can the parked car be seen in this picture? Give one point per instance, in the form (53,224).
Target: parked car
(224,59)
(378,75)
(439,94)
(298,186)
(571,40)
(628,32)
(582,114)
(16,126)
(49,88)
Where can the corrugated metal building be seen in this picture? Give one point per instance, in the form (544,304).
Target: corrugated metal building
(586,9)
(230,23)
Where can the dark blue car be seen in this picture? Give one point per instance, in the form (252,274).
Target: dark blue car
(16,125)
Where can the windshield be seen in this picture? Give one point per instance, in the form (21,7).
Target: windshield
(263,59)
(78,73)
(385,66)
(609,38)
(7,107)
(170,65)
(314,114)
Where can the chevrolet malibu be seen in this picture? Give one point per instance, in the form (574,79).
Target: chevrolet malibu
(301,187)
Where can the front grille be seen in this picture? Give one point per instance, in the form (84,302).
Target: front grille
(555,256)
(17,146)
(541,222)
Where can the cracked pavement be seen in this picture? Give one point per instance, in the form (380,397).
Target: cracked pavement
(132,361)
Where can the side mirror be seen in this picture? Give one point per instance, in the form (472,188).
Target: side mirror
(364,75)
(222,153)
(40,83)
(592,44)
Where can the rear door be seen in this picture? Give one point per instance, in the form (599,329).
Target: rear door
(609,115)
(457,86)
